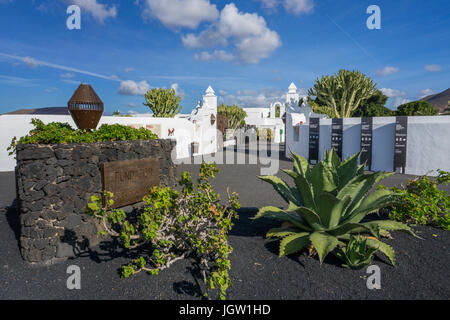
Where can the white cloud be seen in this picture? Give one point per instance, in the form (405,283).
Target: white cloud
(99,11)
(397,97)
(425,92)
(129,69)
(270,4)
(132,105)
(253,49)
(31,62)
(433,67)
(387,71)
(130,87)
(207,38)
(215,55)
(392,92)
(178,91)
(298,7)
(181,13)
(249,33)
(67,75)
(51,89)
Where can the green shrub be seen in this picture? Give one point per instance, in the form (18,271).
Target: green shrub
(56,132)
(422,202)
(327,204)
(416,108)
(176,225)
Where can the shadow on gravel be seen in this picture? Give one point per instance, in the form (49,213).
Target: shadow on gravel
(245,226)
(189,288)
(13,219)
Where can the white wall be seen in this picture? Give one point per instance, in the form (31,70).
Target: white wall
(20,125)
(428,145)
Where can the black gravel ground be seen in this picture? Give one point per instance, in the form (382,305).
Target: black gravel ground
(422,270)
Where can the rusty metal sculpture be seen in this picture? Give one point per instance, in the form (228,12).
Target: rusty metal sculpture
(85,107)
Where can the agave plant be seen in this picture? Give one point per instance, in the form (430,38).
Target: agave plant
(356,255)
(327,205)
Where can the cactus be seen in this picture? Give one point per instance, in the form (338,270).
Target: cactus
(343,92)
(327,204)
(163,102)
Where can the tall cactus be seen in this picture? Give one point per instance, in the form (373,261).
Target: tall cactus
(163,102)
(234,114)
(343,92)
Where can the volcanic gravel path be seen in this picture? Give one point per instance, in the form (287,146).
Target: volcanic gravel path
(421,270)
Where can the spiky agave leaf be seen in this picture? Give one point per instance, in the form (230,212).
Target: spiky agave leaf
(323,243)
(294,243)
(322,178)
(301,164)
(347,169)
(383,247)
(389,225)
(359,186)
(288,215)
(331,209)
(371,203)
(281,232)
(287,193)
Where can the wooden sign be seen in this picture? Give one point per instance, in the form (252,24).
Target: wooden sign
(337,133)
(130,180)
(401,140)
(314,134)
(366,142)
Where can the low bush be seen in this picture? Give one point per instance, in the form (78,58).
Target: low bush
(57,132)
(327,205)
(422,202)
(176,225)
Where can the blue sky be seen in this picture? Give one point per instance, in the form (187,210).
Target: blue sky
(248,51)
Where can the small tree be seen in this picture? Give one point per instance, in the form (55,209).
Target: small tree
(163,102)
(343,92)
(416,108)
(234,114)
(374,107)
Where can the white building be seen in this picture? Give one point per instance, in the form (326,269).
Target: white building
(272,116)
(200,128)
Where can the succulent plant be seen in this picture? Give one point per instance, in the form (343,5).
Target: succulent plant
(327,205)
(356,254)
